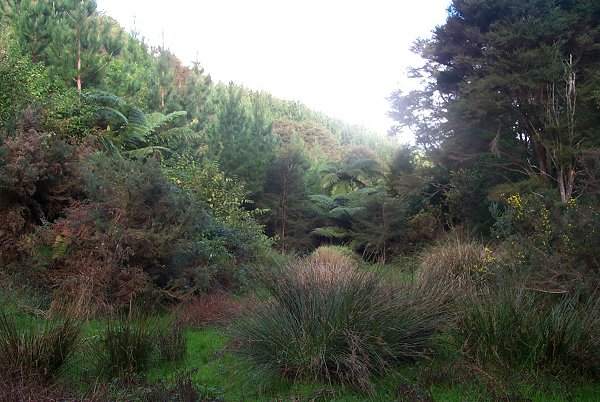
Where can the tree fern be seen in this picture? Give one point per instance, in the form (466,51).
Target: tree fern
(331,232)
(134,133)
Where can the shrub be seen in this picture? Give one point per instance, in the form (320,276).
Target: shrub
(515,328)
(327,264)
(345,328)
(37,353)
(126,347)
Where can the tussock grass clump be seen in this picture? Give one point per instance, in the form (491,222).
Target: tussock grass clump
(126,347)
(336,256)
(453,263)
(336,325)
(513,328)
(171,342)
(39,352)
(327,264)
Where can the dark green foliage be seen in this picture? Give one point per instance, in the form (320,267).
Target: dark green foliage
(359,168)
(136,134)
(286,197)
(372,222)
(147,214)
(241,139)
(467,199)
(68,36)
(331,322)
(37,351)
(511,79)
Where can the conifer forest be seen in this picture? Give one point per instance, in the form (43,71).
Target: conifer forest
(165,236)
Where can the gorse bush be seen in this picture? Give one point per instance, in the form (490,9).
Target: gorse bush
(342,328)
(513,328)
(37,352)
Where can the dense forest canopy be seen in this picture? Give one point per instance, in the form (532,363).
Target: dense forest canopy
(509,105)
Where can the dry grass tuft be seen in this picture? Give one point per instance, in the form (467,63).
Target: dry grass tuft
(453,265)
(209,309)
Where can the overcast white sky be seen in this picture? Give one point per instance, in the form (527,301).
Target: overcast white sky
(342,57)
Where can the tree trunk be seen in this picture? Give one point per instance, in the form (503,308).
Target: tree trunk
(566,182)
(283,211)
(79,65)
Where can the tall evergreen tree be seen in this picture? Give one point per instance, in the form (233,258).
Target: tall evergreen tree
(68,36)
(513,78)
(241,138)
(286,196)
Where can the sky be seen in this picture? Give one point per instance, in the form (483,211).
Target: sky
(341,57)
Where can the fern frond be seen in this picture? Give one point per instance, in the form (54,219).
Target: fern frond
(108,146)
(329,180)
(157,120)
(341,188)
(322,203)
(148,151)
(330,232)
(112,116)
(178,135)
(345,212)
(102,98)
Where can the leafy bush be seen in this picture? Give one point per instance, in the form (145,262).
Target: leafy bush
(346,327)
(39,353)
(126,347)
(553,242)
(21,81)
(515,328)
(137,229)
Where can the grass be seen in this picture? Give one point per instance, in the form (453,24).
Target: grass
(212,369)
(218,373)
(37,350)
(328,321)
(513,328)
(126,347)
